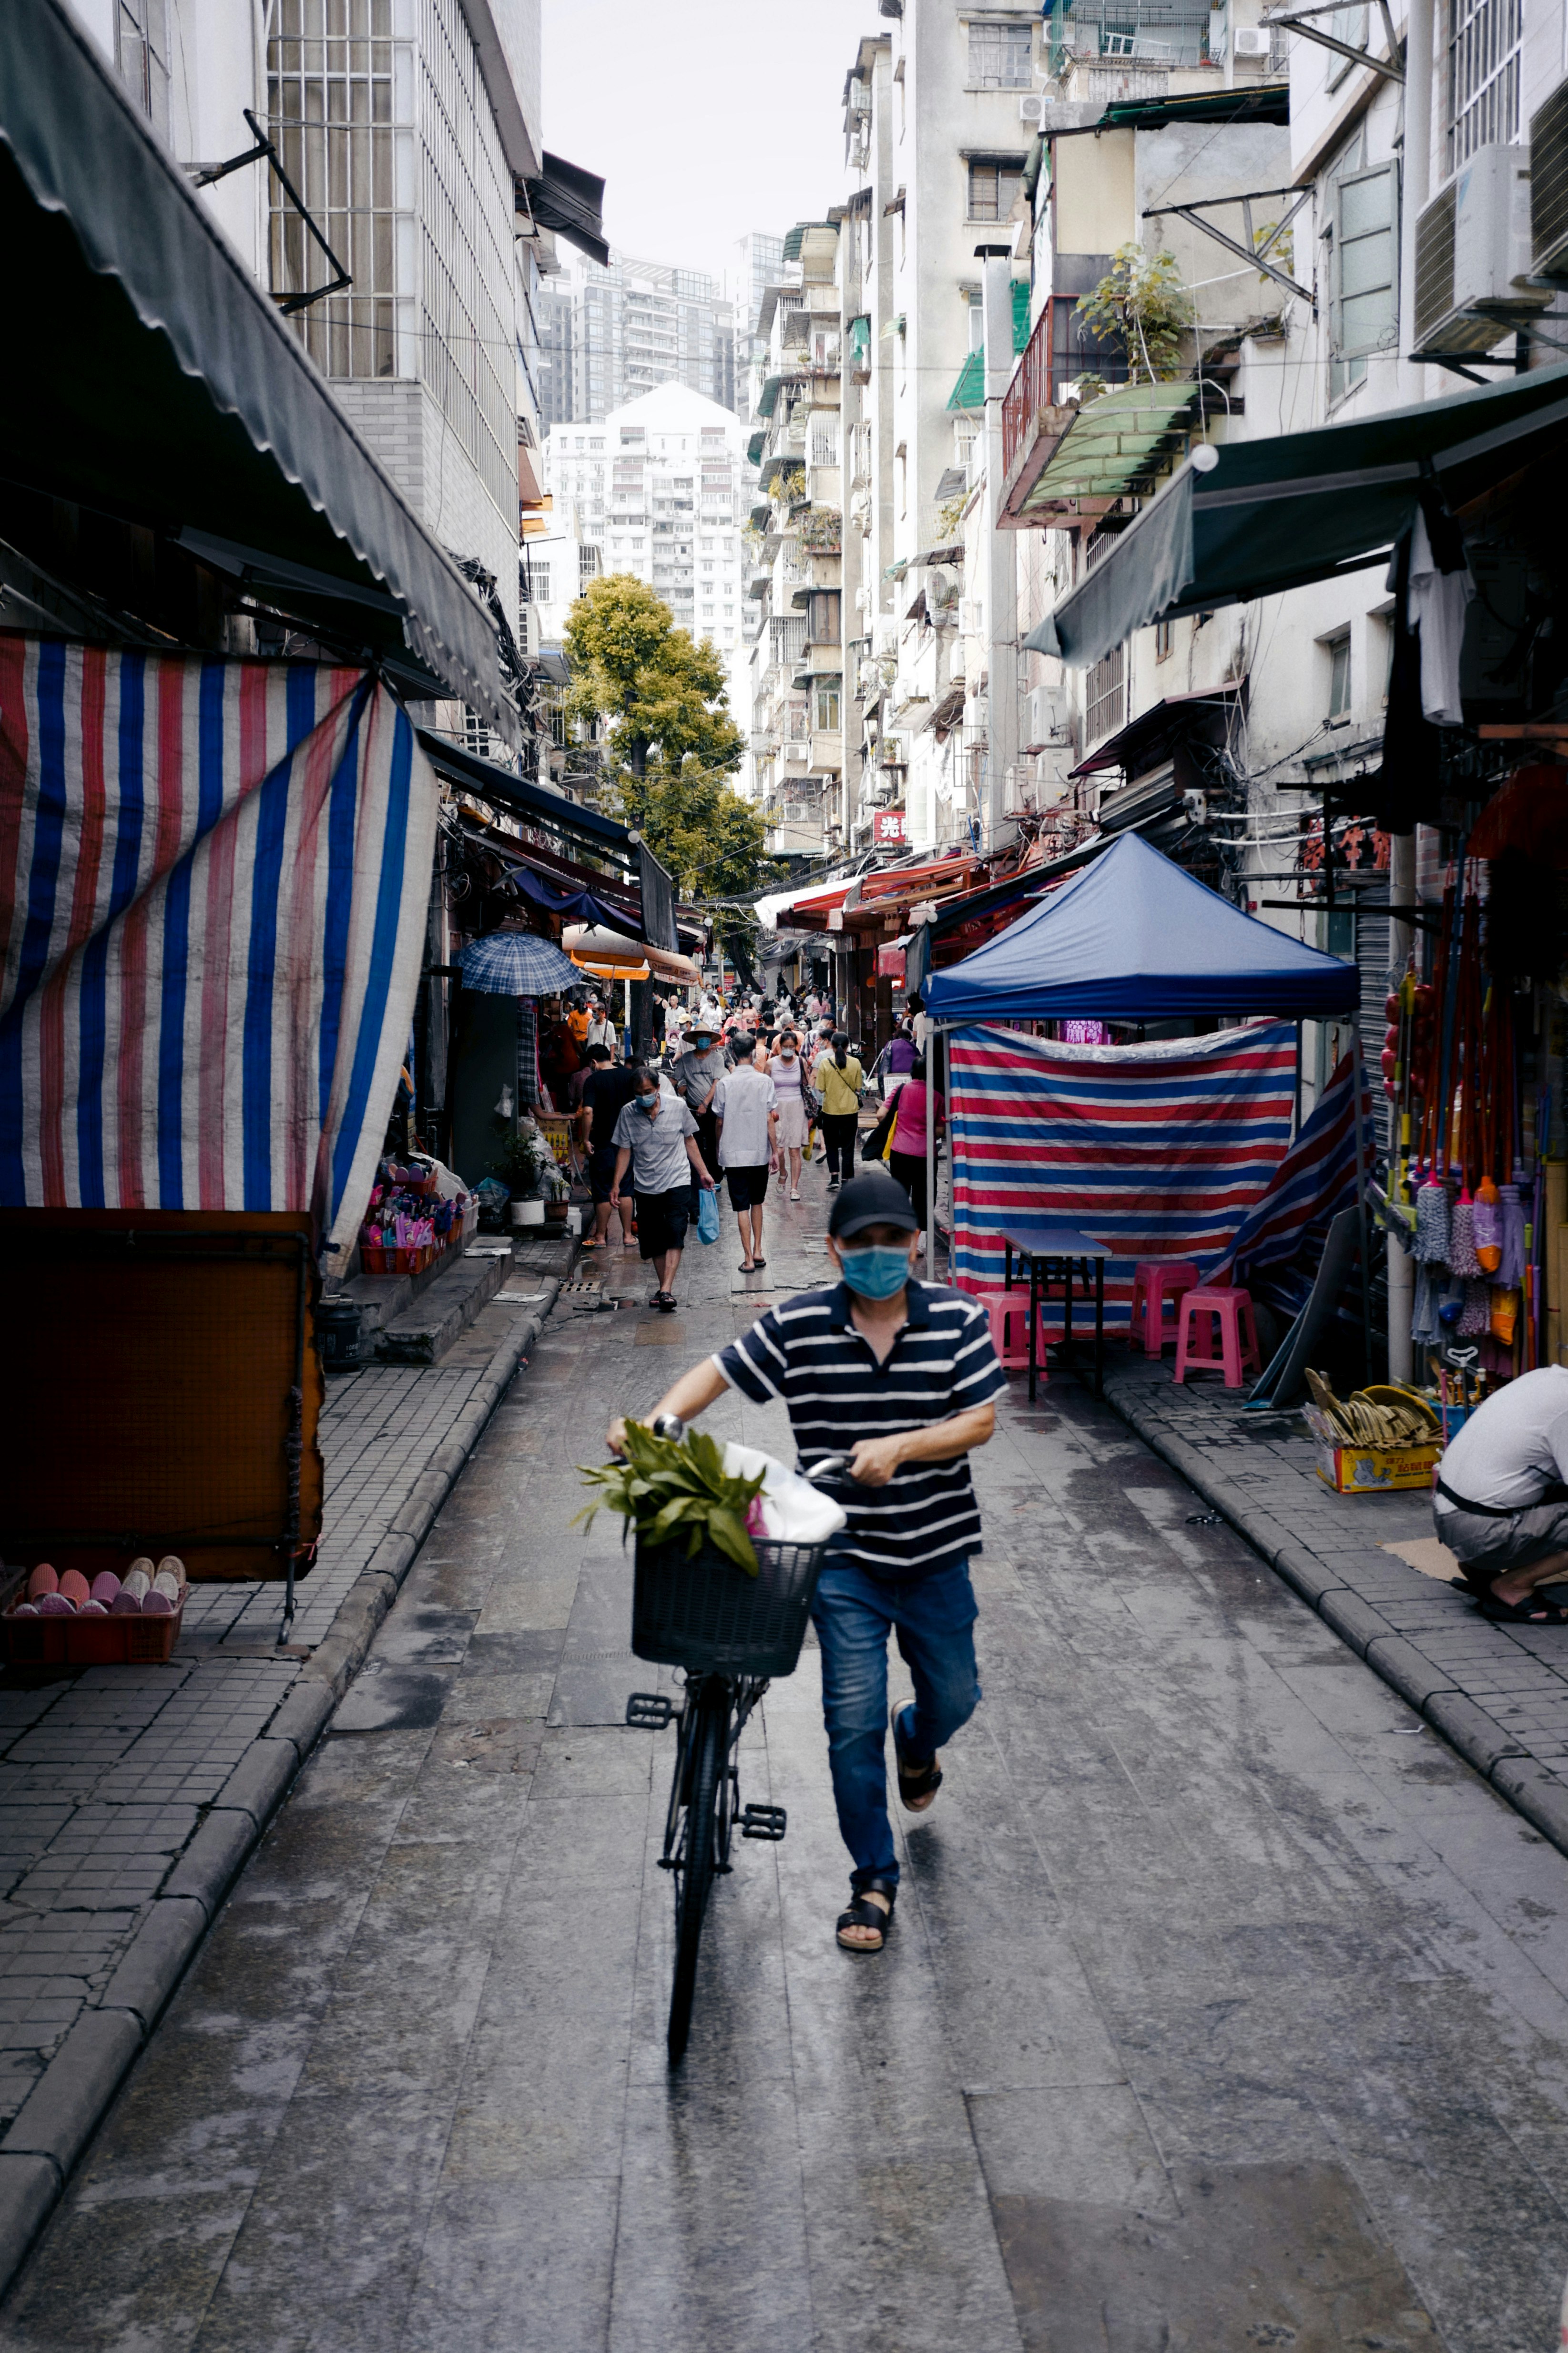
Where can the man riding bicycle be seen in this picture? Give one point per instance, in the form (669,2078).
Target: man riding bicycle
(901,1377)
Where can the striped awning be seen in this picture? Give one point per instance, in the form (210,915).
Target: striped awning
(213,884)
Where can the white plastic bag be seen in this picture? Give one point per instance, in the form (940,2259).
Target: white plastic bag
(793,1511)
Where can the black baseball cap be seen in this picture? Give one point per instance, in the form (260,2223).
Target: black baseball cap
(876,1199)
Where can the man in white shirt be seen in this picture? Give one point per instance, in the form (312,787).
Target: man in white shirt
(601,1028)
(1502,1504)
(748,1137)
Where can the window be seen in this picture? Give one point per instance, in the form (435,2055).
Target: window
(1350,26)
(827,713)
(825,438)
(536,583)
(1104,695)
(331,103)
(1339,653)
(1363,314)
(994,185)
(142,56)
(1480,97)
(822,625)
(1165,640)
(1000,57)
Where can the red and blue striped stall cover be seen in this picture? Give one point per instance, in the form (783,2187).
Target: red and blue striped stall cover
(213,884)
(1316,1180)
(1157,1150)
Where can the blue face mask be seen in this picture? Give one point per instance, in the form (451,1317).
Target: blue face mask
(648,1104)
(877,1273)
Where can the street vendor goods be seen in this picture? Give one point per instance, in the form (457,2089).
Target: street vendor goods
(1380,1437)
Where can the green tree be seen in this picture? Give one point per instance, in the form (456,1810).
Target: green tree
(1141,303)
(671,742)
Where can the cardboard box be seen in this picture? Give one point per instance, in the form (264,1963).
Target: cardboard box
(1369,1469)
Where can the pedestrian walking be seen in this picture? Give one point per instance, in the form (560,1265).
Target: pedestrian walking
(840,1082)
(697,1073)
(906,1153)
(903,1378)
(792,1133)
(601,1028)
(607,1088)
(748,1125)
(655,1136)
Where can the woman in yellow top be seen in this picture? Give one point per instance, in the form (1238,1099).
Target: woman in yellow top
(840,1081)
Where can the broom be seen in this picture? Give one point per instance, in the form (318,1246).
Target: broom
(1463,1262)
(1432,1198)
(1488,1212)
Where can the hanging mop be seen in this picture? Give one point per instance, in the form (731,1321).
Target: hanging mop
(1463,1262)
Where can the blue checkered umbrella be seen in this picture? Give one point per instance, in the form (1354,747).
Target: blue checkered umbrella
(518,964)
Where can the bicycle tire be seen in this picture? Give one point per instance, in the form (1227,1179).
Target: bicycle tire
(694,1872)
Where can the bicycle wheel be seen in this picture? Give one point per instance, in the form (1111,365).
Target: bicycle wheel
(698,1855)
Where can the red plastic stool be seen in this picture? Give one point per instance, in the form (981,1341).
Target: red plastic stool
(1004,1309)
(1239,1334)
(1155,1280)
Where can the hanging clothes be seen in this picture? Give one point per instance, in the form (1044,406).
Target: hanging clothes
(1437,602)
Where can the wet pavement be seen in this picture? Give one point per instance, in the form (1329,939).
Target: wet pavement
(1225,2008)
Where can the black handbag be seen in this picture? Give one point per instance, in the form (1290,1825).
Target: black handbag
(875,1145)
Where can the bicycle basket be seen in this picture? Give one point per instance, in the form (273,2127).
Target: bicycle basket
(705,1614)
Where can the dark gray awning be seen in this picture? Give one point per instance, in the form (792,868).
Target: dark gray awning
(571,201)
(1280,511)
(536,802)
(152,379)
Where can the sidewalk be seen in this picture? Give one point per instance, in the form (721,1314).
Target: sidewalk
(130,1796)
(1498,1694)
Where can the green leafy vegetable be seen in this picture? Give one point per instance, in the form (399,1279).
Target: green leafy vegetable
(669,1487)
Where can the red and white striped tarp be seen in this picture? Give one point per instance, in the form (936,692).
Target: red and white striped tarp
(213,884)
(1157,1150)
(1316,1180)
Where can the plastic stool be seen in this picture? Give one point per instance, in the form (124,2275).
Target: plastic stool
(1239,1334)
(1155,1280)
(1005,1308)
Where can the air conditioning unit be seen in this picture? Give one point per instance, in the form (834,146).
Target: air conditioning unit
(1032,109)
(1251,42)
(1473,256)
(1549,186)
(971,615)
(1039,721)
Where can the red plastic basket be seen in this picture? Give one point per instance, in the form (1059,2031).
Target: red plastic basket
(91,1641)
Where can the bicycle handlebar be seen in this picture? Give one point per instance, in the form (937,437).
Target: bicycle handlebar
(832,1466)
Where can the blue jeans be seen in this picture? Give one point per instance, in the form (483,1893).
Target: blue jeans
(854,1613)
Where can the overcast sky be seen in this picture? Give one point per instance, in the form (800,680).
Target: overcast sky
(706,118)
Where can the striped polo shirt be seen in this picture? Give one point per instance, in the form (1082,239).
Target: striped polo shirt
(808,1352)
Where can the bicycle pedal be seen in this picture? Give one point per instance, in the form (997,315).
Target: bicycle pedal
(650,1710)
(764,1822)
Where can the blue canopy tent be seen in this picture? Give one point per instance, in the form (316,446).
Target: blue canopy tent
(1133,937)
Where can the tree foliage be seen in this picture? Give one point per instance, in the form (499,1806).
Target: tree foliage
(671,742)
(1141,303)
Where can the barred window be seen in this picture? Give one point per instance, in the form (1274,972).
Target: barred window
(1481,96)
(994,185)
(1104,697)
(329,102)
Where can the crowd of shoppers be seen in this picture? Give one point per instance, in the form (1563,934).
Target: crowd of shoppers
(745,1094)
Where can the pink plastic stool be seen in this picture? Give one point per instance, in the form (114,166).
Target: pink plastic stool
(1155,1280)
(1239,1334)
(1006,1309)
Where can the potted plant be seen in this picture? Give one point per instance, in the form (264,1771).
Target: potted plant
(667,1488)
(523,1167)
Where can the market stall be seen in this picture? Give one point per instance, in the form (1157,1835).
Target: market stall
(214,877)
(1160,1149)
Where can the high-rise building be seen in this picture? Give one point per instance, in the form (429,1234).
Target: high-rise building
(554,316)
(656,488)
(758,264)
(639,324)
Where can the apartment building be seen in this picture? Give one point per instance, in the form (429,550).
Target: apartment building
(657,489)
(556,318)
(639,324)
(758,264)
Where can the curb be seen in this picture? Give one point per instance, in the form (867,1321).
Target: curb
(1527,1786)
(66,2106)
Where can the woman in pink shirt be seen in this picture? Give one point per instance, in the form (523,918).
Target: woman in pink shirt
(907,1153)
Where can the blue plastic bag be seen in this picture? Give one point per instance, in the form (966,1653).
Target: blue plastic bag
(707,1216)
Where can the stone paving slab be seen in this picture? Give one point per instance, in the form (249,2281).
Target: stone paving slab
(130,1796)
(1499,1693)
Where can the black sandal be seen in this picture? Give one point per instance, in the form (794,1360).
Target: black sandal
(917,1784)
(862,1915)
(1528,1612)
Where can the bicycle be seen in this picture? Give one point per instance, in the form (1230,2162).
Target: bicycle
(732,1635)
